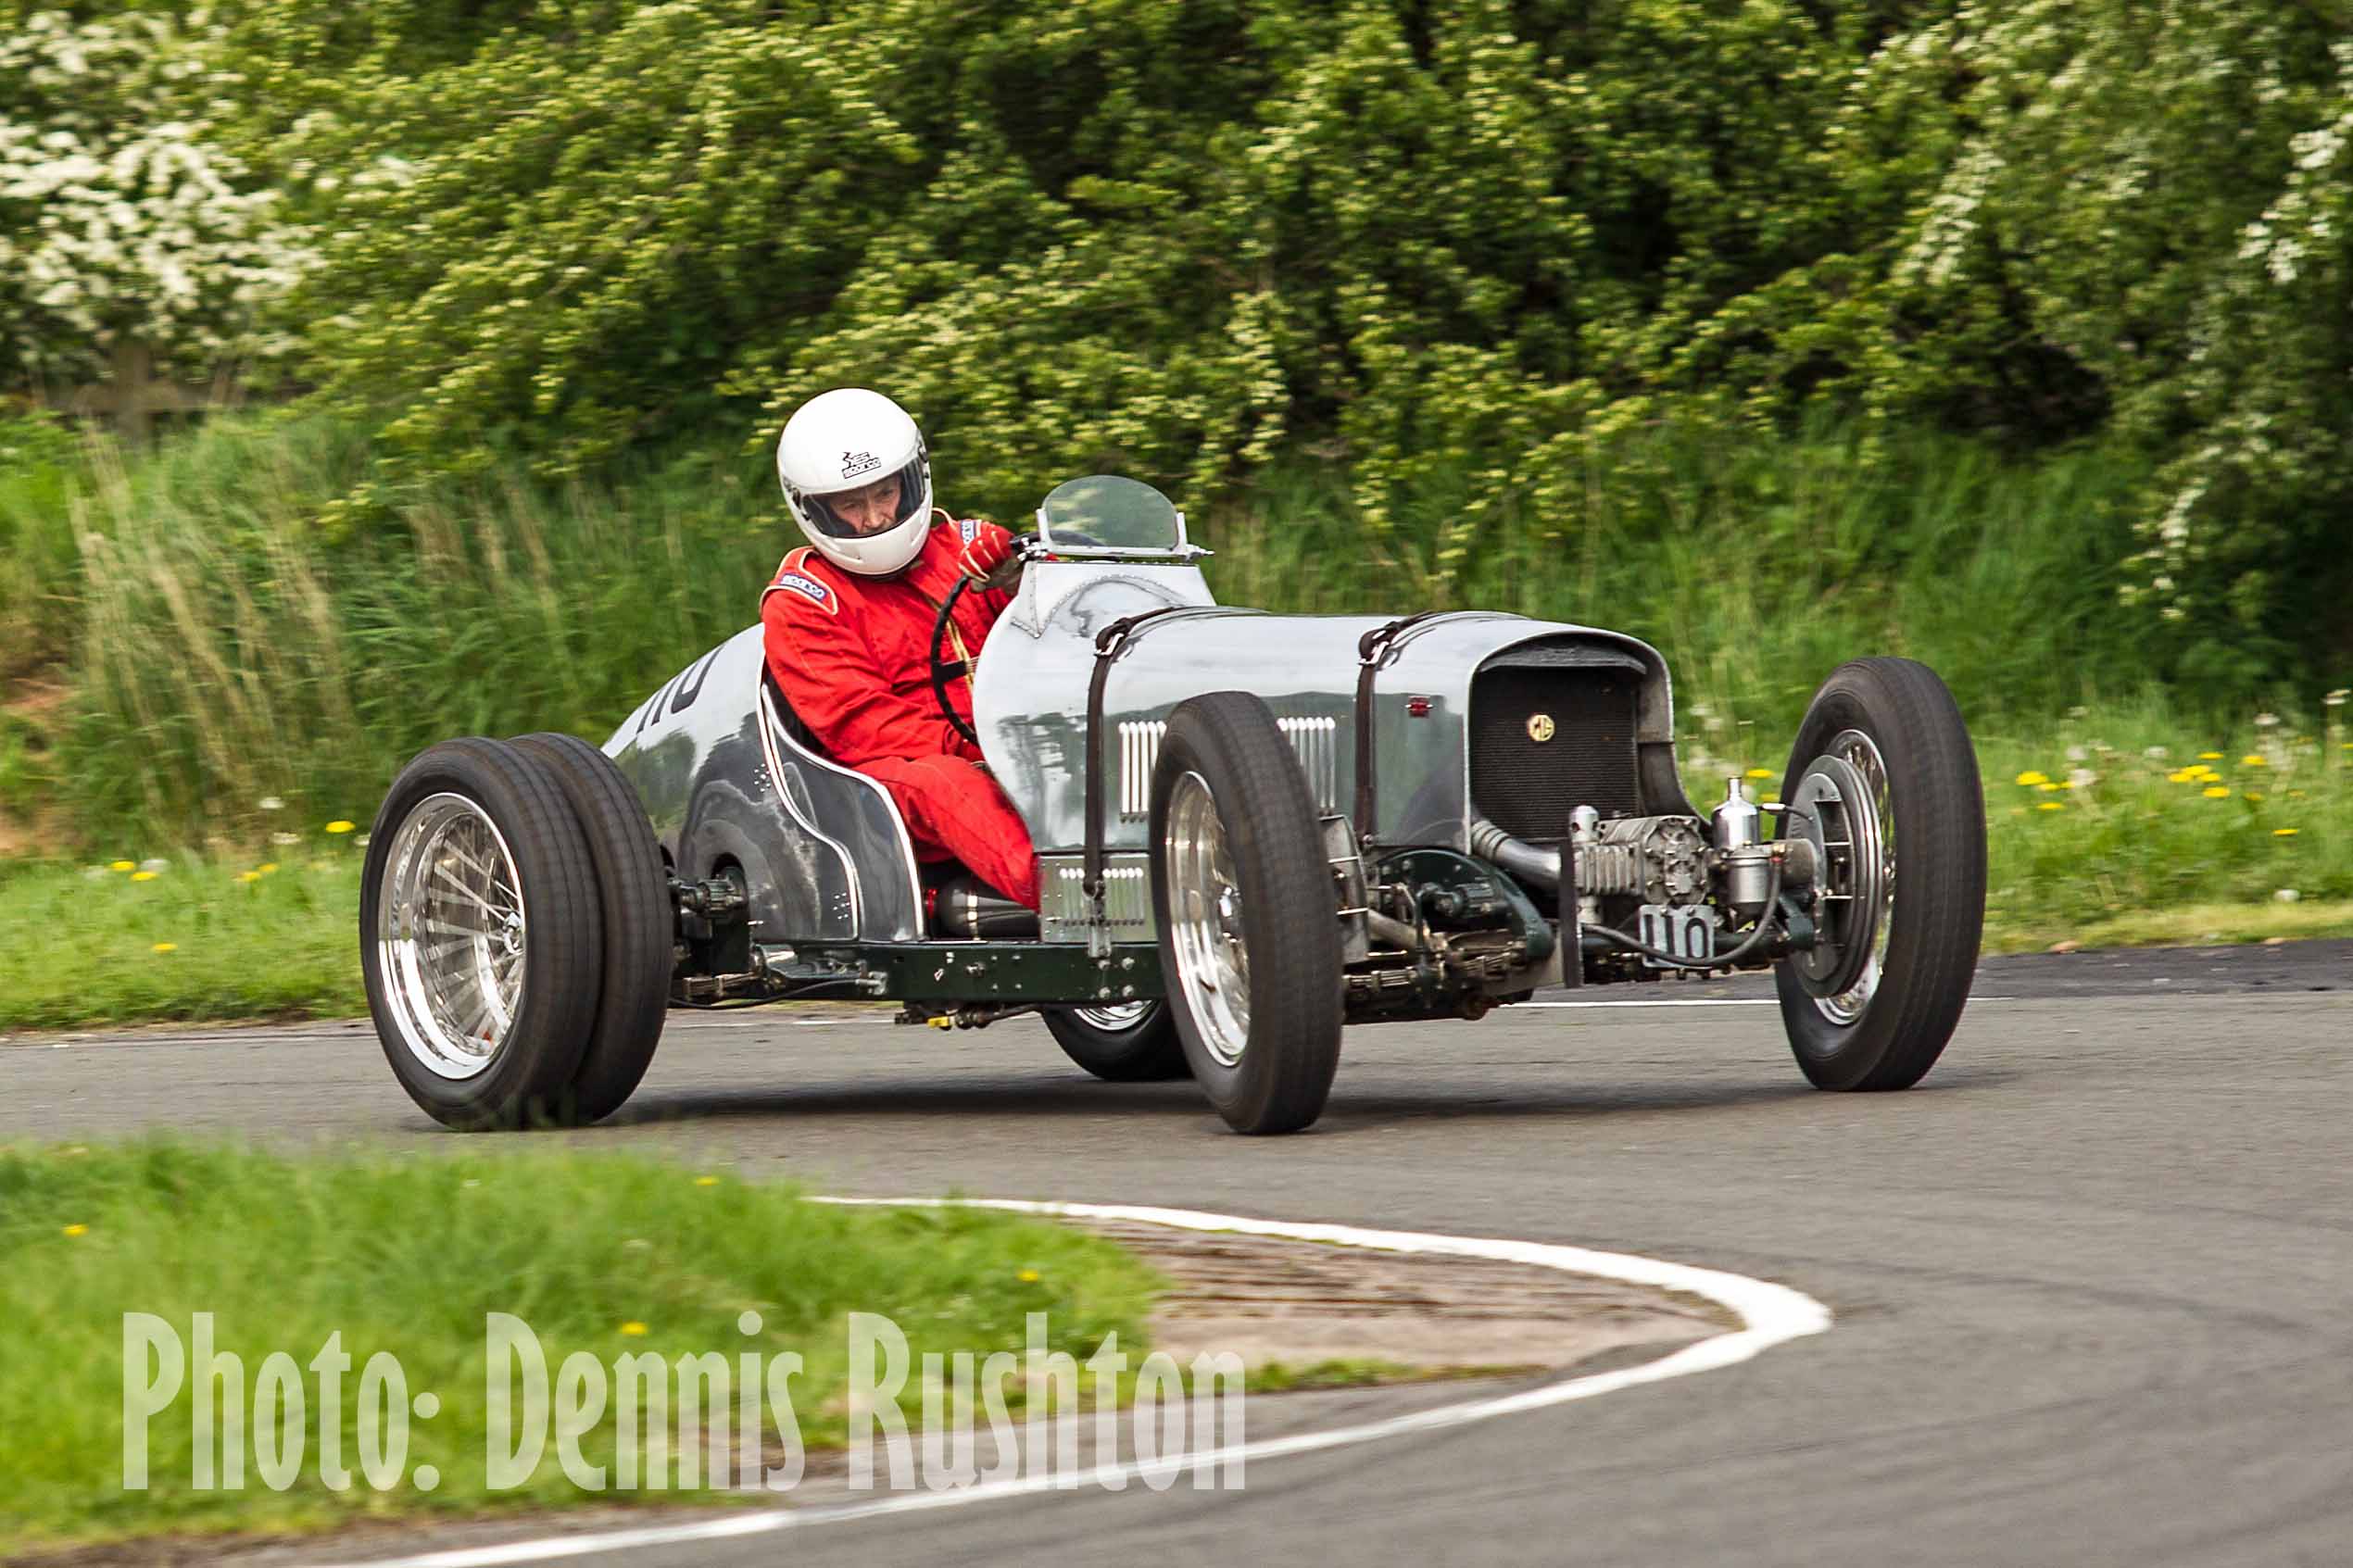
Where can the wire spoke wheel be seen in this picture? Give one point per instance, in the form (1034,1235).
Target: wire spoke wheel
(1116,1018)
(1248,924)
(1205,906)
(1843,805)
(1120,1042)
(1882,758)
(481,936)
(451,930)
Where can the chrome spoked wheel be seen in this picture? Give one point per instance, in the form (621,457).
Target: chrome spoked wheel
(1205,914)
(1242,888)
(451,936)
(1871,1003)
(1843,804)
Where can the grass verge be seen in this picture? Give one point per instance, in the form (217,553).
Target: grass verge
(190,938)
(606,1255)
(2191,925)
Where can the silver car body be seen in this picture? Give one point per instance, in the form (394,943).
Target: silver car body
(726,777)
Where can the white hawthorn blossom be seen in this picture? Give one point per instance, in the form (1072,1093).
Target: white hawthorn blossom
(117,217)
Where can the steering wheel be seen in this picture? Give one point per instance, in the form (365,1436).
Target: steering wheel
(945,670)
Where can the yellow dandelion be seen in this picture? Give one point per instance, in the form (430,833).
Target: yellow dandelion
(2254,794)
(2182,775)
(2210,757)
(249,877)
(77,1230)
(267,867)
(165,947)
(2052,806)
(2047,786)
(123,866)
(2031,777)
(2072,783)
(634,1329)
(338,825)
(2253,759)
(2217,792)
(143,876)
(1027,1277)
(2283,833)
(706,1181)
(1760,773)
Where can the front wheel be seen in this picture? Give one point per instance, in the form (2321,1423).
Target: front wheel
(1249,928)
(1883,778)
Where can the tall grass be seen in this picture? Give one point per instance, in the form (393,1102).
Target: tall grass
(1758,568)
(238,642)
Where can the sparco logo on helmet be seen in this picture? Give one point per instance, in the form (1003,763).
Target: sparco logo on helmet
(855,463)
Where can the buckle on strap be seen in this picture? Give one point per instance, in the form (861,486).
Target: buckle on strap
(1372,650)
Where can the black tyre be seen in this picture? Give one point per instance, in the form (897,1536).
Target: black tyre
(481,936)
(1122,1043)
(1249,929)
(640,926)
(1881,764)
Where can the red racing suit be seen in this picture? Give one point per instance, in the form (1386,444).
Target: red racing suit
(852,655)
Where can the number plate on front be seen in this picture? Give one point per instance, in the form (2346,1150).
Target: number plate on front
(1688,930)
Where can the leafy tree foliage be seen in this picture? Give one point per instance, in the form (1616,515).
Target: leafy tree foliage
(1467,248)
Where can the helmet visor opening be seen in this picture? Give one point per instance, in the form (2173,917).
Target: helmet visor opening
(870,508)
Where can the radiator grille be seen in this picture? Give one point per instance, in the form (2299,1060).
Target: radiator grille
(1316,740)
(1063,909)
(1527,786)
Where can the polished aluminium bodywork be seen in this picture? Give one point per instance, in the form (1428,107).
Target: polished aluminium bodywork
(1031,701)
(728,780)
(726,783)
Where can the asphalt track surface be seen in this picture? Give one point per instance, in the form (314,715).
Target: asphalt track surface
(2092,1279)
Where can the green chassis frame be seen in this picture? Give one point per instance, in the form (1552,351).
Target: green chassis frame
(986,972)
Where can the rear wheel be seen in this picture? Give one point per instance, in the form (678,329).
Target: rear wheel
(1883,778)
(640,926)
(1249,931)
(481,936)
(1121,1042)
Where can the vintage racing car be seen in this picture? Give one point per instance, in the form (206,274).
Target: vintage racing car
(1251,831)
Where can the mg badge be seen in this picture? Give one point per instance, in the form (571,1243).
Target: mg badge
(1539,727)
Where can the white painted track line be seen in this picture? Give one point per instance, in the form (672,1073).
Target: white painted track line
(1769,1314)
(1705,1002)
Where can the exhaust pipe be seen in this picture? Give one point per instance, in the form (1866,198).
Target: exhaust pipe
(1523,859)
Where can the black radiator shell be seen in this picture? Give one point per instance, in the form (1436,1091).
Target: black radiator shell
(1527,786)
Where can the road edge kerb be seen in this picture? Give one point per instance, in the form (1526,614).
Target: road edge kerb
(1772,1314)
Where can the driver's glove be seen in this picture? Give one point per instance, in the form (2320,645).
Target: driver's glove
(990,553)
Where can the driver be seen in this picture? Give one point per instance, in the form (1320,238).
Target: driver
(848,622)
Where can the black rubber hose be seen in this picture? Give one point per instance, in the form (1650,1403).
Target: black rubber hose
(1765,925)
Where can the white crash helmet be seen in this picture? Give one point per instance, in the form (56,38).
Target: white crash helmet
(846,440)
